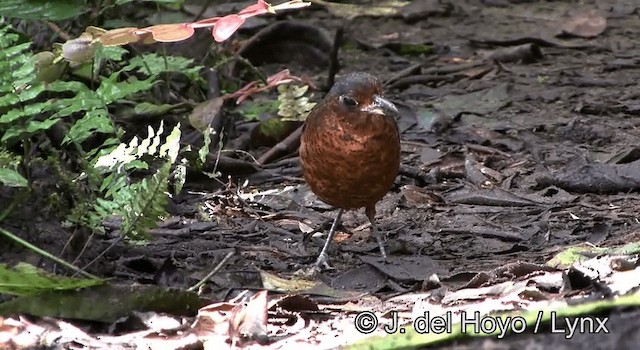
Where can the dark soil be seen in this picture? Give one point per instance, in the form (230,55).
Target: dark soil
(501,161)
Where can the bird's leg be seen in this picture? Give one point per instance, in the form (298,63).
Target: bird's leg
(371,214)
(323,258)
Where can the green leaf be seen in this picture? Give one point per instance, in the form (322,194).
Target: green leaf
(12,178)
(111,90)
(172,145)
(9,52)
(153,64)
(8,100)
(82,102)
(145,203)
(96,121)
(51,10)
(7,40)
(12,115)
(25,279)
(63,86)
(33,127)
(113,53)
(204,150)
(152,109)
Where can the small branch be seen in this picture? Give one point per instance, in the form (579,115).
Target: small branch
(334,62)
(213,272)
(46,254)
(289,144)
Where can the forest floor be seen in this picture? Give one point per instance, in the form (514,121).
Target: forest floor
(521,139)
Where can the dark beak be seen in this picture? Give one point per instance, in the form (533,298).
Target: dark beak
(381,106)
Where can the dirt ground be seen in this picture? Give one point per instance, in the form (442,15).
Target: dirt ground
(519,140)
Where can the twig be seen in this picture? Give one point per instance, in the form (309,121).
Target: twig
(103,252)
(252,68)
(287,145)
(213,272)
(334,63)
(84,247)
(64,35)
(46,254)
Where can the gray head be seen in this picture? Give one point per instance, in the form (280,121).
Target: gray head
(360,91)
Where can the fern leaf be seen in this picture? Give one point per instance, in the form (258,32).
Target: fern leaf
(146,203)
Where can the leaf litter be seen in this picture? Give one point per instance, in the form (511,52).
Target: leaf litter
(495,222)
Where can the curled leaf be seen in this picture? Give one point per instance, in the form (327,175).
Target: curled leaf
(79,50)
(48,67)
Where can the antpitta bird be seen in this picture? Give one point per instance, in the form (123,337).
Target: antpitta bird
(350,150)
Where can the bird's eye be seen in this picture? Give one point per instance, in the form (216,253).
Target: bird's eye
(349,101)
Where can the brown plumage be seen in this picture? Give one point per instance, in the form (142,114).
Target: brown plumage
(350,149)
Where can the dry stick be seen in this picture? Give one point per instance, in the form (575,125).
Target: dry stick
(84,247)
(288,144)
(103,252)
(66,245)
(45,254)
(213,272)
(64,35)
(334,63)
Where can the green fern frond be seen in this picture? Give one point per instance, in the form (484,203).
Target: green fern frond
(24,113)
(153,64)
(20,115)
(145,203)
(14,72)
(140,205)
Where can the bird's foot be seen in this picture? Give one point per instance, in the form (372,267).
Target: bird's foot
(383,252)
(321,264)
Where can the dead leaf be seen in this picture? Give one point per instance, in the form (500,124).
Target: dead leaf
(213,319)
(249,321)
(204,113)
(80,50)
(587,24)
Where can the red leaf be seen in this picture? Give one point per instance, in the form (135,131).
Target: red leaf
(171,32)
(256,9)
(226,26)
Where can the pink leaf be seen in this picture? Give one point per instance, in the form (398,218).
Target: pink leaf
(226,26)
(254,10)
